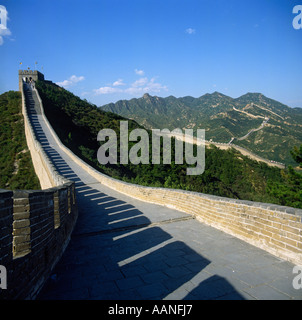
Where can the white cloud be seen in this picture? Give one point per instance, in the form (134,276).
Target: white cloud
(190,31)
(139,72)
(75,79)
(155,87)
(118,82)
(140,82)
(106,90)
(4,31)
(70,81)
(139,87)
(134,90)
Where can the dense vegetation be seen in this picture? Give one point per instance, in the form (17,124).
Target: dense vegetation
(223,118)
(227,173)
(16,169)
(290,192)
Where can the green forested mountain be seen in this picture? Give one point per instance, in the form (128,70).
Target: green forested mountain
(16,168)
(223,118)
(227,173)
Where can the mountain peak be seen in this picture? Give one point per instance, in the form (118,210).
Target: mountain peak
(146,96)
(253,95)
(216,93)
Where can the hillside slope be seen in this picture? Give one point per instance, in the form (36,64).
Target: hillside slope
(16,168)
(262,125)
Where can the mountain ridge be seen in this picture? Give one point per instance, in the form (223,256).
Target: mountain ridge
(260,124)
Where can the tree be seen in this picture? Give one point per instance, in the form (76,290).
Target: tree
(290,192)
(297,155)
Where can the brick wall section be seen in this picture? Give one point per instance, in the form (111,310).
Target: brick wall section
(21,224)
(6,226)
(30,243)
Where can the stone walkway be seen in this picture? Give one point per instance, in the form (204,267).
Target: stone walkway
(123,248)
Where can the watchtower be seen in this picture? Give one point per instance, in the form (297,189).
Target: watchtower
(28,75)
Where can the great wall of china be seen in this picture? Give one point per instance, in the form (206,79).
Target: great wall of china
(35,226)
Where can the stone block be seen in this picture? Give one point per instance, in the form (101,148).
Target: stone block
(21,231)
(21,223)
(291,229)
(21,215)
(21,239)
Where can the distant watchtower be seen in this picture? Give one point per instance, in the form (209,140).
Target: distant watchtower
(28,75)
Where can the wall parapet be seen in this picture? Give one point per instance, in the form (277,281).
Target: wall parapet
(31,241)
(273,228)
(35,225)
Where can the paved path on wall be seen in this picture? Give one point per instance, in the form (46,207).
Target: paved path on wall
(123,248)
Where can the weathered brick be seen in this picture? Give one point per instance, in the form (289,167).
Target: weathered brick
(267,233)
(21,239)
(278,243)
(21,247)
(290,229)
(21,215)
(293,236)
(290,242)
(292,248)
(20,202)
(21,223)
(21,231)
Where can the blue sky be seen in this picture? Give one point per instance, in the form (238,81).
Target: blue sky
(106,50)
